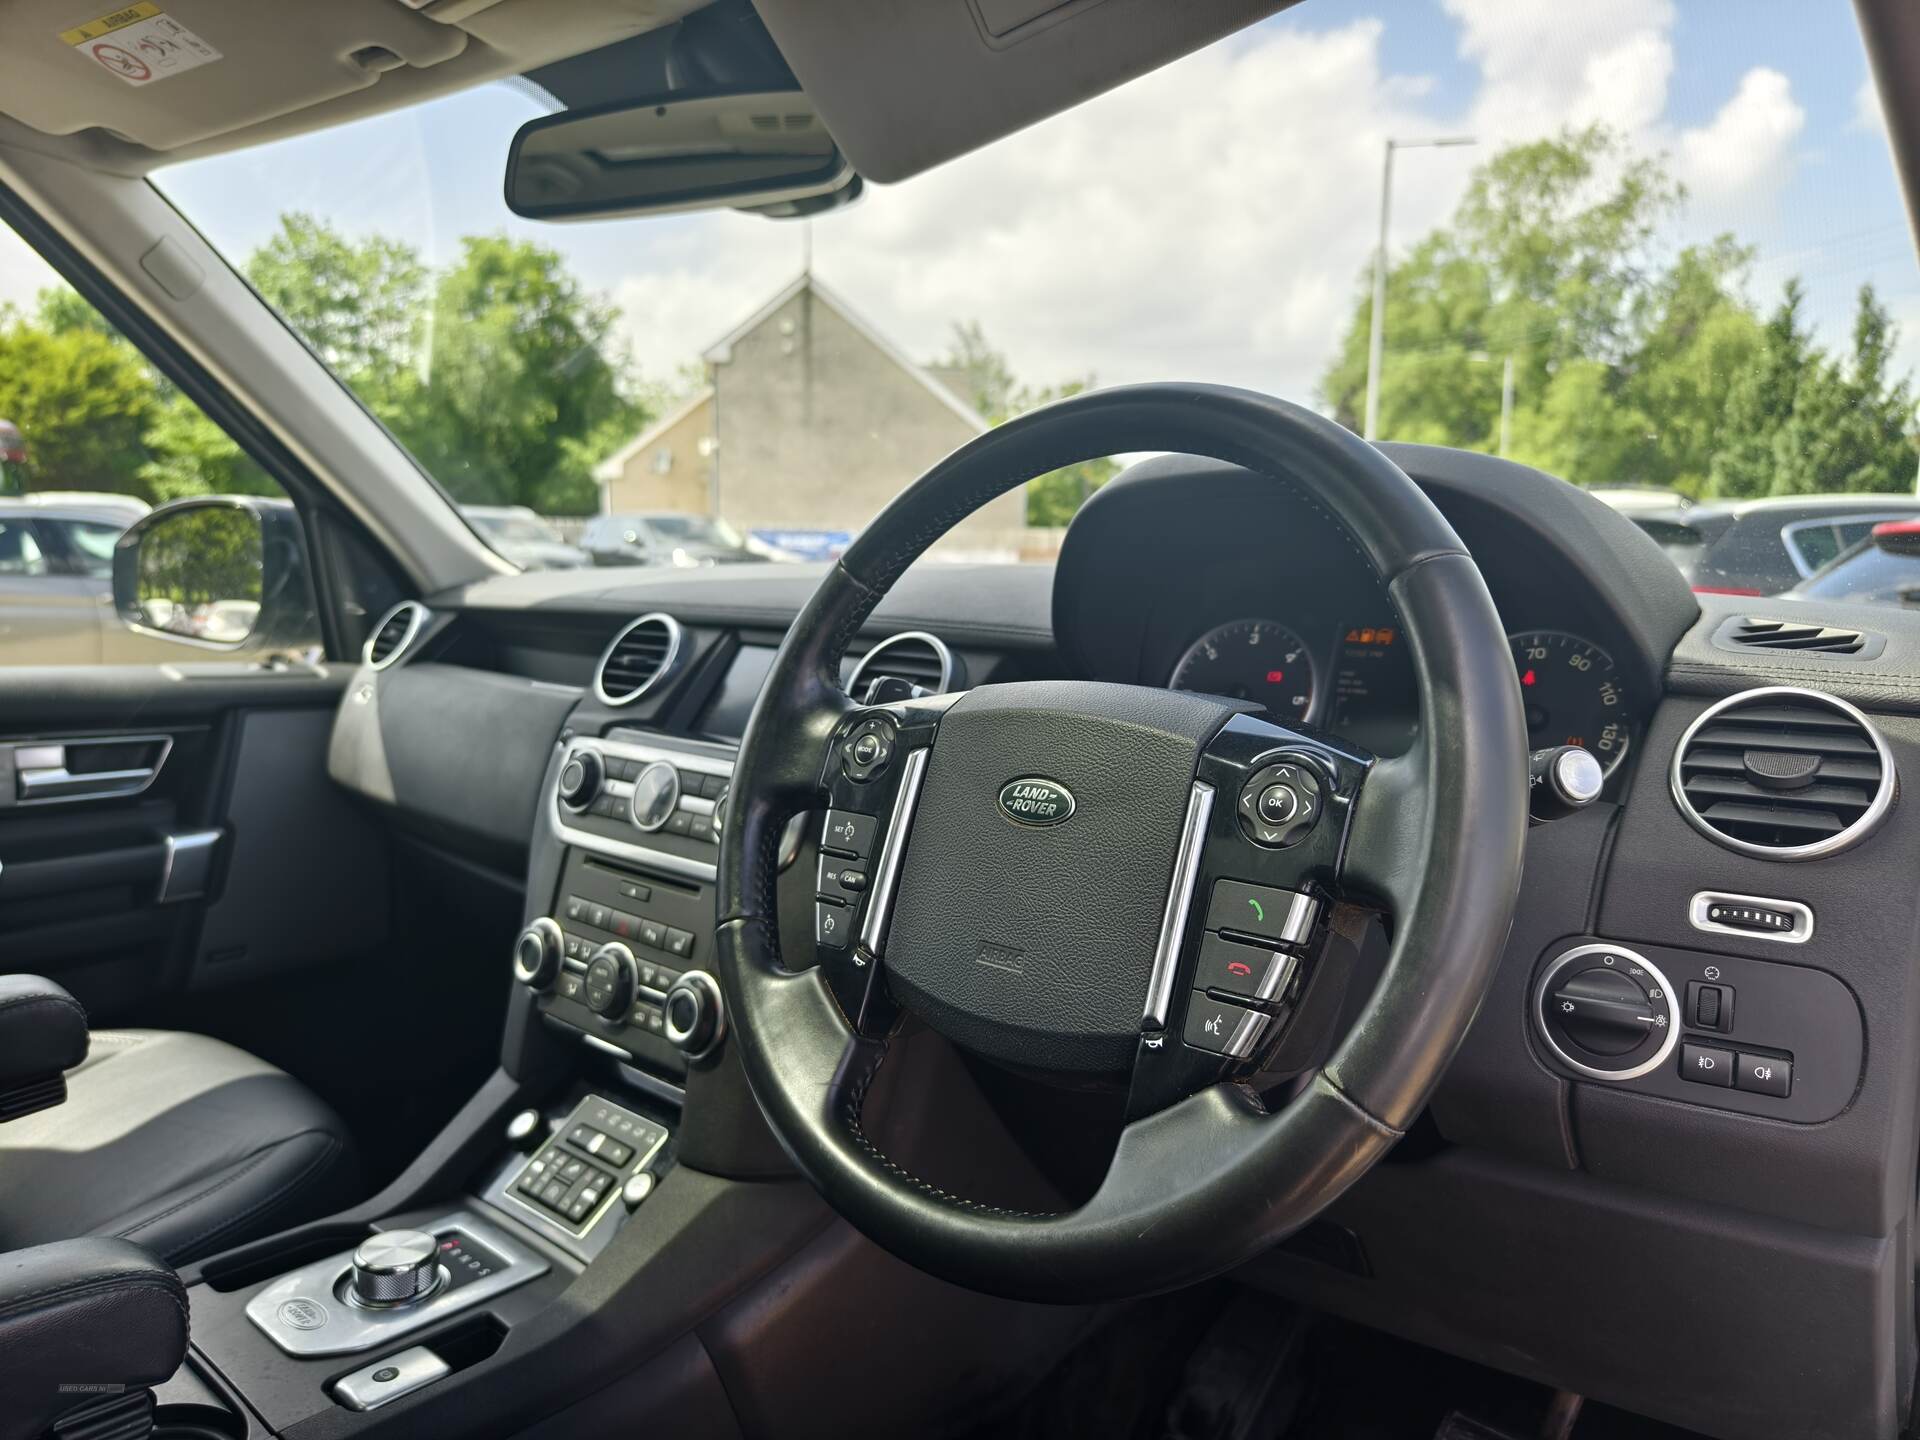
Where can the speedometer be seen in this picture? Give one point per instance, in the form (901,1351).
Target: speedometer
(1571,694)
(1258,660)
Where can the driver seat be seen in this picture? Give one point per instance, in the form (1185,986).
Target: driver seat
(181,1143)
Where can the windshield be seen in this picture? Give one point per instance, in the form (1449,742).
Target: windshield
(694,529)
(1654,248)
(515,529)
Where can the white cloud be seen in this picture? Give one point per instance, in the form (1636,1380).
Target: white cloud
(1868,113)
(23,274)
(1210,221)
(1545,64)
(1745,152)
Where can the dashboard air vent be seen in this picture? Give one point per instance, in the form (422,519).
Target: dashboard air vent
(919,663)
(1783,772)
(640,657)
(1760,634)
(397,630)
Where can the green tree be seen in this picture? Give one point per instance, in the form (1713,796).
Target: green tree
(82,398)
(1631,366)
(984,376)
(361,304)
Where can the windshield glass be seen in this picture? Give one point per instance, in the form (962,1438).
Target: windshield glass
(1654,248)
(515,529)
(694,529)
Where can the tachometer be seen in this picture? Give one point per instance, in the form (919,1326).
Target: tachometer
(1571,694)
(1258,660)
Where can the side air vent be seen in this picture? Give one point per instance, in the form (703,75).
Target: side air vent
(640,657)
(1784,773)
(1758,634)
(917,660)
(397,631)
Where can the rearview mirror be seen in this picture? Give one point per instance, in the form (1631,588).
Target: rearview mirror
(758,150)
(222,572)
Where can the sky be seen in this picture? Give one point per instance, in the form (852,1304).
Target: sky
(1209,221)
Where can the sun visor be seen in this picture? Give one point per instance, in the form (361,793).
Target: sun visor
(168,73)
(906,85)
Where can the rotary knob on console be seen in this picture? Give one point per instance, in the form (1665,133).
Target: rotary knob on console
(536,954)
(580,780)
(396,1267)
(696,1016)
(612,976)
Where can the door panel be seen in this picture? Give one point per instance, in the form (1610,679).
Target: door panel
(236,859)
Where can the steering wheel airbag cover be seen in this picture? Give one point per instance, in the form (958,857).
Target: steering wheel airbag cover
(1031,945)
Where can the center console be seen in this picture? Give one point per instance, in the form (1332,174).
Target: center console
(617,960)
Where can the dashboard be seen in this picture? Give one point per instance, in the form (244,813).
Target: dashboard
(1258,595)
(1680,1209)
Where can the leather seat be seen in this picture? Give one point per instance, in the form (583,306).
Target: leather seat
(178,1142)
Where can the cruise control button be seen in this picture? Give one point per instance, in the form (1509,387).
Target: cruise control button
(1248,970)
(1223,1029)
(849,833)
(1764,1075)
(832,925)
(841,881)
(1283,915)
(1706,1065)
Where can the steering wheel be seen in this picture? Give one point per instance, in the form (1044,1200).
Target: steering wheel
(1114,883)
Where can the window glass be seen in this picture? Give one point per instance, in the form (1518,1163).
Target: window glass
(89,545)
(19,551)
(1654,247)
(1817,544)
(93,438)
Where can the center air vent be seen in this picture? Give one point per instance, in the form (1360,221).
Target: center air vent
(397,629)
(640,657)
(920,660)
(1755,633)
(1782,772)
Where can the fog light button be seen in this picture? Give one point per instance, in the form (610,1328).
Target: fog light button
(1764,1075)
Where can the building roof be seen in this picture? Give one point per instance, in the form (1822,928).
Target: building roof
(612,467)
(721,350)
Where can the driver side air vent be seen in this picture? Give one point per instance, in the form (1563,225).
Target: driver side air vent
(397,630)
(919,663)
(640,657)
(1784,773)
(1759,634)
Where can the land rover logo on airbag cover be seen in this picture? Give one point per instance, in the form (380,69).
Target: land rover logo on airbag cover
(1032,800)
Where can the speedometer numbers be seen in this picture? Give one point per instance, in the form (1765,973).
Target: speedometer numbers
(1258,660)
(1571,694)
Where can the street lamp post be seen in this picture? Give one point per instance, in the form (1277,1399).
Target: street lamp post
(1377,330)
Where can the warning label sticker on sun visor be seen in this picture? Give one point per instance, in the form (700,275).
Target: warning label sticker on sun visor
(141,43)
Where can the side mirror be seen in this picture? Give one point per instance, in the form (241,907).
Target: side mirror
(760,150)
(222,572)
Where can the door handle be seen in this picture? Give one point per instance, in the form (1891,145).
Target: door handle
(45,771)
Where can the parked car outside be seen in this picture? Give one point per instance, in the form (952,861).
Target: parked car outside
(666,538)
(518,534)
(56,575)
(1883,569)
(1762,547)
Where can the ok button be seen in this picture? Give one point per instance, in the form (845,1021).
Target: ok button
(1278,804)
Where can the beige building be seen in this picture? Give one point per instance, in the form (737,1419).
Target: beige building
(811,422)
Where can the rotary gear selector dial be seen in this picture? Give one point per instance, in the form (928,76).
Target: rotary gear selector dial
(1606,1012)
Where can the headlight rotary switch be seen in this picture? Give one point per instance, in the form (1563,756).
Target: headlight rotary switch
(1606,1011)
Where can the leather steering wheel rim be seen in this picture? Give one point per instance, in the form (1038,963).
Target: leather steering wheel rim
(1436,835)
